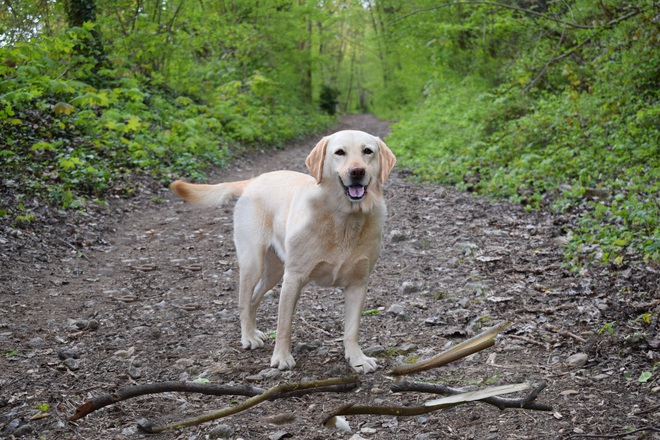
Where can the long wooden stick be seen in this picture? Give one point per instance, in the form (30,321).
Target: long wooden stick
(480,342)
(130,392)
(277,391)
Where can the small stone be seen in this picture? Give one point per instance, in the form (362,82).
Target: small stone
(303,347)
(397,236)
(398,311)
(129,431)
(408,287)
(578,360)
(254,378)
(77,324)
(221,431)
(22,430)
(72,364)
(134,372)
(67,353)
(36,342)
(406,348)
(374,350)
(433,320)
(224,315)
(368,431)
(424,436)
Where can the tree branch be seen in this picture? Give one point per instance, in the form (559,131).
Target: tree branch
(473,345)
(275,392)
(201,388)
(526,402)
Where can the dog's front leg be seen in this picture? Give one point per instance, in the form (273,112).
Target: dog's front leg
(354,297)
(282,357)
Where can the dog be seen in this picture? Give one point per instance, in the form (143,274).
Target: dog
(324,228)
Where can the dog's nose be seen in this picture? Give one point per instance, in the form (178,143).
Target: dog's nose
(356,172)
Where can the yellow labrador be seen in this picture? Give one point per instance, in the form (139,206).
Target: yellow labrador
(324,228)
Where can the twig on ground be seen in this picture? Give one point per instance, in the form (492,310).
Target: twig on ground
(526,402)
(480,342)
(202,388)
(279,391)
(565,333)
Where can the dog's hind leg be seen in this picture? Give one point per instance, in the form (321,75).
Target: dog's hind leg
(257,276)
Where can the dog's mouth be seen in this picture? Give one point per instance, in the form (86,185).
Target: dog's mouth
(355,192)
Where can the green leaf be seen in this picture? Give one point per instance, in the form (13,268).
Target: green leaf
(645,376)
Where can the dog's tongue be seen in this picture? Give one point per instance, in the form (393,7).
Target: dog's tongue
(356,191)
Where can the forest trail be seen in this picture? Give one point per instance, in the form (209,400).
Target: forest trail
(145,292)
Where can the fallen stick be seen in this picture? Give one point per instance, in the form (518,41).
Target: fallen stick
(528,402)
(193,387)
(480,342)
(279,391)
(502,403)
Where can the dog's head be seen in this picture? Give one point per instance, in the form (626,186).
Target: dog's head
(356,163)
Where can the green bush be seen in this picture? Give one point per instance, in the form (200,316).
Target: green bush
(582,139)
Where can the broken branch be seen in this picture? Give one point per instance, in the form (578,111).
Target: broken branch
(526,402)
(480,342)
(201,388)
(276,392)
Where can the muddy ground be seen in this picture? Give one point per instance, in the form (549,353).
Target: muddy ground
(145,291)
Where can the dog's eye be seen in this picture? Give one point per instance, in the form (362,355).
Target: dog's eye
(368,151)
(340,152)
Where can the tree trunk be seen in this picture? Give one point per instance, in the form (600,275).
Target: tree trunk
(78,13)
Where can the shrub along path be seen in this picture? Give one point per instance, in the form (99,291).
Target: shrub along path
(144,291)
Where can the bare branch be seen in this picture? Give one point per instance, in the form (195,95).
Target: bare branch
(480,342)
(162,387)
(526,402)
(201,388)
(279,391)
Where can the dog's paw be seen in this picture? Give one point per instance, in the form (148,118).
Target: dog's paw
(254,340)
(283,361)
(362,363)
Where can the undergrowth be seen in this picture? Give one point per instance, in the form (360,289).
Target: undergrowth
(71,135)
(584,141)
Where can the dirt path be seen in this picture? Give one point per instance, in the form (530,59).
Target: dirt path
(145,292)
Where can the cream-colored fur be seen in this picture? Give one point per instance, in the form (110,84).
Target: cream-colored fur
(325,228)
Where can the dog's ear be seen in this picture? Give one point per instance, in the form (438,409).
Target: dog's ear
(315,159)
(387,160)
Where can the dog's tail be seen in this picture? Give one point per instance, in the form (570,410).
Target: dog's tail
(209,195)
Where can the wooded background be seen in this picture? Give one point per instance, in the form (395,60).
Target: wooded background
(551,104)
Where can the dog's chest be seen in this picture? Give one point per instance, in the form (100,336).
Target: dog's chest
(347,254)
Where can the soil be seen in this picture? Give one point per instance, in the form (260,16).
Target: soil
(143,291)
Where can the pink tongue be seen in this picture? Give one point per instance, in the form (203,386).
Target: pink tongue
(356,191)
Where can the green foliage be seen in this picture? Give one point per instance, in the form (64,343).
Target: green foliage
(68,138)
(572,126)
